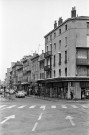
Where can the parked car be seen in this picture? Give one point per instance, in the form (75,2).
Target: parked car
(87,94)
(20,94)
(12,91)
(25,92)
(1,91)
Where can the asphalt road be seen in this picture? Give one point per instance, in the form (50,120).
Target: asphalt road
(32,116)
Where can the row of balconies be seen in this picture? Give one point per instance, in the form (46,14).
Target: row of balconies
(82,62)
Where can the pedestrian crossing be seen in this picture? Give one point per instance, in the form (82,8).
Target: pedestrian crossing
(61,106)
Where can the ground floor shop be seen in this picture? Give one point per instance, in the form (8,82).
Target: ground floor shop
(64,88)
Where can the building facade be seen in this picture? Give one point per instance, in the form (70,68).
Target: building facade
(67,55)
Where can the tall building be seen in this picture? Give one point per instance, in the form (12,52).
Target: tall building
(67,57)
(26,81)
(41,61)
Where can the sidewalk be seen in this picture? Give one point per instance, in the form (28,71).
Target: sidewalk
(5,98)
(58,100)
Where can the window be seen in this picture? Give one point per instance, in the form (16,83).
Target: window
(54,34)
(50,37)
(65,41)
(87,40)
(54,60)
(59,44)
(65,27)
(50,47)
(54,73)
(55,46)
(46,39)
(59,31)
(65,71)
(59,58)
(65,56)
(88,25)
(59,72)
(47,48)
(40,75)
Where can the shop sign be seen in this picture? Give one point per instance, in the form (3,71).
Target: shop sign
(84,84)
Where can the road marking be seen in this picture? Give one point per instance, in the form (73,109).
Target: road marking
(7,118)
(74,106)
(85,106)
(43,107)
(71,120)
(40,116)
(11,106)
(53,106)
(64,106)
(22,106)
(35,126)
(2,106)
(33,106)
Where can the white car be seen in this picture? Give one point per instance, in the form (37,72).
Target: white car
(20,94)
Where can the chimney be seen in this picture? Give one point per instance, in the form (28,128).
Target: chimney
(60,21)
(55,24)
(73,12)
(42,51)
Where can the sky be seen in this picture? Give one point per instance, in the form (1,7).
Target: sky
(24,23)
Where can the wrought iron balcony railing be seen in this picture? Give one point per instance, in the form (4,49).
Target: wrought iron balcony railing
(48,67)
(82,62)
(47,54)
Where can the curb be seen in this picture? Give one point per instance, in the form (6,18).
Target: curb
(58,100)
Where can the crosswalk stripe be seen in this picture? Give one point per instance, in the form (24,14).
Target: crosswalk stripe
(22,106)
(43,107)
(85,106)
(11,106)
(64,106)
(74,106)
(53,106)
(2,106)
(33,106)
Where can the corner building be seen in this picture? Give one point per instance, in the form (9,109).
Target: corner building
(67,57)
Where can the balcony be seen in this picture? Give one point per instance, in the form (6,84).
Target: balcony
(83,62)
(28,68)
(48,54)
(48,67)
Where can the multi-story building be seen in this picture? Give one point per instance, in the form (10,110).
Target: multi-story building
(20,76)
(8,78)
(15,68)
(26,72)
(67,57)
(35,72)
(41,61)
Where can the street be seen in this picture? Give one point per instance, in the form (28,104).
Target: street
(29,116)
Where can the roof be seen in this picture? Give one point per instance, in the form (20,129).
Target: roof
(17,64)
(67,20)
(34,57)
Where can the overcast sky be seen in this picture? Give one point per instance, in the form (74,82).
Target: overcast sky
(24,23)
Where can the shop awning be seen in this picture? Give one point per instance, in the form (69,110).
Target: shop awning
(63,79)
(24,83)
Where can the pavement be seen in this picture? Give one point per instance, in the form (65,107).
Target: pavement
(46,98)
(33,116)
(57,99)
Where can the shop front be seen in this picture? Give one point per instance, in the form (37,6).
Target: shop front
(65,87)
(84,90)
